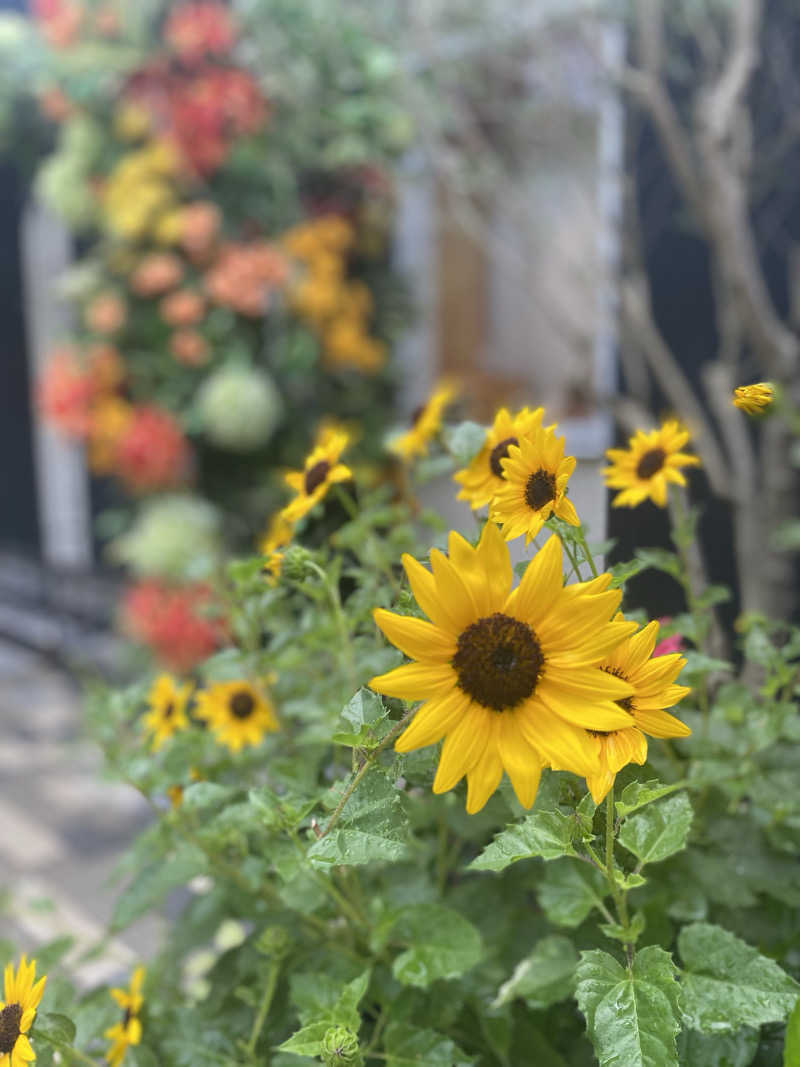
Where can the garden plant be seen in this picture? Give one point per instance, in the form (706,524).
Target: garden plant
(429,807)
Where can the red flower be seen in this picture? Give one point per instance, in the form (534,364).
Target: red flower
(195,30)
(178,623)
(153,453)
(65,391)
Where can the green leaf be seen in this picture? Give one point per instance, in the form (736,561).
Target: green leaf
(307,1041)
(55,1028)
(729,984)
(154,882)
(443,944)
(363,708)
(544,977)
(408,1046)
(465,441)
(53,952)
(543,833)
(356,848)
(569,891)
(372,828)
(632,1016)
(791,1050)
(717,1050)
(636,795)
(659,831)
(621,572)
(626,934)
(201,795)
(660,559)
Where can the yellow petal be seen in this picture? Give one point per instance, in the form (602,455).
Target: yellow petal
(414,681)
(453,591)
(521,761)
(463,747)
(433,720)
(483,779)
(423,586)
(660,724)
(582,707)
(417,639)
(541,584)
(563,746)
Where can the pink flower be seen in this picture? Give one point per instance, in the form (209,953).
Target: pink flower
(668,644)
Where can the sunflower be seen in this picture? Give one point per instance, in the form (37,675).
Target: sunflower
(536,473)
(167,715)
(652,678)
(651,460)
(237,712)
(426,422)
(320,471)
(129,1031)
(17,1012)
(277,535)
(482,478)
(754,399)
(509,679)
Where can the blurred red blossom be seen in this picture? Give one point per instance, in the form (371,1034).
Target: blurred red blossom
(153,453)
(178,623)
(64,392)
(195,30)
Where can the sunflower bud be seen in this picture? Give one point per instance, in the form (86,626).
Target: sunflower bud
(295,563)
(754,399)
(340,1048)
(273,941)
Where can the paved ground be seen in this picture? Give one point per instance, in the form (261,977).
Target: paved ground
(62,827)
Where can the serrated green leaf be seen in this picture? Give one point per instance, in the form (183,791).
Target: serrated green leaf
(728,984)
(632,1016)
(443,944)
(152,884)
(658,831)
(569,891)
(791,1049)
(543,833)
(201,795)
(372,827)
(363,708)
(717,1050)
(356,848)
(408,1046)
(660,559)
(626,934)
(544,977)
(636,795)
(55,1028)
(621,572)
(307,1041)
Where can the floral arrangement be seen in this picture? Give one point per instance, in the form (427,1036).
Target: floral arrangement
(236,284)
(459,811)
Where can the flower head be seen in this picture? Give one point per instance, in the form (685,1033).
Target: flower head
(277,535)
(106,313)
(21,996)
(482,478)
(754,399)
(653,681)
(156,273)
(238,713)
(167,715)
(178,623)
(152,452)
(321,470)
(194,30)
(425,423)
(64,392)
(651,460)
(536,473)
(129,1031)
(509,679)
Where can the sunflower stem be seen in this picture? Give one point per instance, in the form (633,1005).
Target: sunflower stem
(571,557)
(617,894)
(340,619)
(581,538)
(263,1007)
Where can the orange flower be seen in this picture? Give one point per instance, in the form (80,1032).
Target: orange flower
(106,368)
(244,276)
(194,30)
(152,453)
(200,224)
(108,422)
(156,273)
(106,313)
(64,392)
(184,307)
(189,347)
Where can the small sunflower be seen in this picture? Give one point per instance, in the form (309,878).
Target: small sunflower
(509,679)
(167,715)
(129,1031)
(651,460)
(652,678)
(278,534)
(17,1012)
(484,476)
(536,473)
(754,399)
(238,713)
(320,471)
(426,422)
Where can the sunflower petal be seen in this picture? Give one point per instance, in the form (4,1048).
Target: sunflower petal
(463,748)
(433,720)
(416,638)
(413,681)
(541,583)
(661,724)
(483,779)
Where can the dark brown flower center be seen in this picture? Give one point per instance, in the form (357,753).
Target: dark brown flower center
(540,489)
(417,414)
(10,1018)
(498,453)
(651,463)
(242,704)
(126,1018)
(498,661)
(316,475)
(169,709)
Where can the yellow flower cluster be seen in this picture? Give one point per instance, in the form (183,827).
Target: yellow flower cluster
(140,198)
(336,308)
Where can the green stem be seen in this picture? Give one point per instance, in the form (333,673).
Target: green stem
(572,559)
(263,1007)
(340,620)
(581,537)
(76,1055)
(617,894)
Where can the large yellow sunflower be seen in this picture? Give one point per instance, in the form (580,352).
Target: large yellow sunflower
(238,713)
(425,423)
(320,471)
(484,476)
(129,1031)
(652,679)
(510,679)
(650,461)
(536,473)
(21,995)
(753,399)
(167,715)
